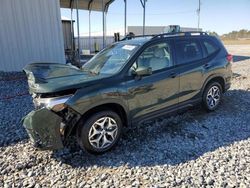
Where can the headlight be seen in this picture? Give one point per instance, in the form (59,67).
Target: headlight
(56,103)
(31,80)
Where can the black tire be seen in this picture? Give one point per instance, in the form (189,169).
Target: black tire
(84,134)
(205,101)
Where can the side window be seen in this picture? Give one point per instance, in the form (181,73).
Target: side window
(210,47)
(157,57)
(188,51)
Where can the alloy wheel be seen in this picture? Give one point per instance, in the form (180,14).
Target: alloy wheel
(103,133)
(213,96)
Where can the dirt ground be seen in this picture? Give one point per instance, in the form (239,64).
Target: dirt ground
(239,50)
(236,42)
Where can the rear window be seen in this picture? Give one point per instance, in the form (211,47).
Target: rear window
(188,51)
(210,47)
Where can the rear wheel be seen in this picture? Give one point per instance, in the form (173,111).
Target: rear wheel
(212,96)
(100,132)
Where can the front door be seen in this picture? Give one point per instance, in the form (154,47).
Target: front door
(153,93)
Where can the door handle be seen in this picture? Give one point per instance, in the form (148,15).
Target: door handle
(173,74)
(207,66)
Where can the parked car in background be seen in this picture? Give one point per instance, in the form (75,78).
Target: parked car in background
(128,82)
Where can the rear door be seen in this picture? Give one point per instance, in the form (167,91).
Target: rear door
(191,63)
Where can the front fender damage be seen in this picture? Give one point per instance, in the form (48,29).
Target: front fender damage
(43,128)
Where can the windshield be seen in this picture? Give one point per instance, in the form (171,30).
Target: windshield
(110,60)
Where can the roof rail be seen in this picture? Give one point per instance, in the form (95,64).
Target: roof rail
(172,34)
(189,33)
(135,36)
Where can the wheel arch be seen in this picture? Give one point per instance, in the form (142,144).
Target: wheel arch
(115,107)
(215,78)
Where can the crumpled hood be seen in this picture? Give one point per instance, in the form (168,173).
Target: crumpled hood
(53,77)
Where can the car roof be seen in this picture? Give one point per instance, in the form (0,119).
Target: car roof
(141,40)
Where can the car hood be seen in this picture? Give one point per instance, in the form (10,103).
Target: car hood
(54,77)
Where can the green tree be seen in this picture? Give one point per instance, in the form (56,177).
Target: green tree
(212,33)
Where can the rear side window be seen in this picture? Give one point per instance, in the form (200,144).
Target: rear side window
(210,47)
(188,51)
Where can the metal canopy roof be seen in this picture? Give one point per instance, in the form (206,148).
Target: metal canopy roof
(95,5)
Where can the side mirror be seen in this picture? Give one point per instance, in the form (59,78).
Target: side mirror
(143,71)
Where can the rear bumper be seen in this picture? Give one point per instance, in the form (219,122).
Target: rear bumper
(43,128)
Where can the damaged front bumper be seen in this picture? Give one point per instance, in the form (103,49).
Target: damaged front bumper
(43,128)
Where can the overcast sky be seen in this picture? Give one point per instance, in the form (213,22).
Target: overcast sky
(221,16)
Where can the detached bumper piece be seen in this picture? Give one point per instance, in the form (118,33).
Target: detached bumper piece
(43,127)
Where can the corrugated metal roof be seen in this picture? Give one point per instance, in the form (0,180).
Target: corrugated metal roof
(95,5)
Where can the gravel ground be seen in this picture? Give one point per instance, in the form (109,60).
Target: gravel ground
(194,149)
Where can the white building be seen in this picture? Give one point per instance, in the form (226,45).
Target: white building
(30,30)
(150,30)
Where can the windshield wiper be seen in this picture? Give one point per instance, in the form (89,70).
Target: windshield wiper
(89,71)
(84,69)
(93,72)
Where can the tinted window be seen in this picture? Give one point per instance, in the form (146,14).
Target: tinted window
(188,51)
(157,56)
(210,47)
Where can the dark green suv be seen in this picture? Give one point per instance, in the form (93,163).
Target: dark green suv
(128,82)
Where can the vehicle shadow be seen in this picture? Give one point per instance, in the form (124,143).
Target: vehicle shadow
(237,58)
(173,140)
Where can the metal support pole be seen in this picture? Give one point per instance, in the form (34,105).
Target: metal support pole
(103,25)
(71,31)
(89,31)
(78,30)
(125,18)
(143,3)
(105,28)
(198,12)
(144,17)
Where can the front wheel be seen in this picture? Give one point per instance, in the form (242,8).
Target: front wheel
(212,96)
(100,132)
